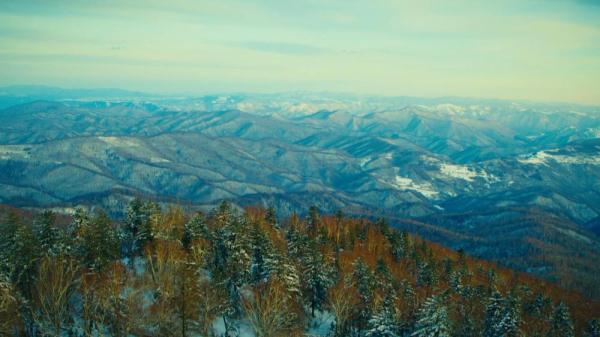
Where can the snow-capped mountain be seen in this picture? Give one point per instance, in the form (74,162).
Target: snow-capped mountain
(424,159)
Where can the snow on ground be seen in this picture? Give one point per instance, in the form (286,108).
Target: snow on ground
(364,161)
(157,160)
(404,184)
(466,173)
(321,324)
(119,141)
(429,159)
(242,327)
(11,151)
(536,159)
(542,158)
(450,109)
(458,171)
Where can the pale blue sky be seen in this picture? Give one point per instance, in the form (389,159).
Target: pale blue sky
(523,49)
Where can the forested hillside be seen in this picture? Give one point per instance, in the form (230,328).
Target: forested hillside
(162,272)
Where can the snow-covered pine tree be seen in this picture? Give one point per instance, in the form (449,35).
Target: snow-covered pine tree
(502,316)
(271,217)
(425,274)
(194,229)
(561,324)
(297,243)
(511,317)
(433,320)
(23,258)
(382,273)
(455,280)
(46,232)
(100,242)
(318,276)
(493,316)
(383,323)
(260,251)
(236,270)
(365,284)
(288,275)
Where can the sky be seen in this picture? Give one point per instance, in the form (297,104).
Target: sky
(539,50)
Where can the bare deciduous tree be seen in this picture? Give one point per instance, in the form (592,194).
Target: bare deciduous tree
(269,311)
(55,284)
(342,301)
(9,314)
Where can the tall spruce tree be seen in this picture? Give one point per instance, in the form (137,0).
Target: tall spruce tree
(433,320)
(493,316)
(46,232)
(561,323)
(365,285)
(100,242)
(314,219)
(194,229)
(383,323)
(318,276)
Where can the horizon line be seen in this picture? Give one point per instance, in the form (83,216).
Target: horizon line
(204,93)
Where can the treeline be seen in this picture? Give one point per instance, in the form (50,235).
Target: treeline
(166,273)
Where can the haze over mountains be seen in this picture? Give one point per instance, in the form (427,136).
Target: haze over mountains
(482,175)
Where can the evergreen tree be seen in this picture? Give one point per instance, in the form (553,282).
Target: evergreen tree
(138,225)
(100,242)
(318,275)
(561,324)
(493,316)
(365,285)
(540,307)
(425,275)
(297,243)
(511,318)
(592,329)
(314,219)
(433,319)
(233,256)
(501,317)
(260,268)
(46,232)
(288,274)
(8,230)
(194,229)
(271,217)
(382,323)
(24,257)
(455,281)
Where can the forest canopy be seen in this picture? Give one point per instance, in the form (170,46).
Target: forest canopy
(162,272)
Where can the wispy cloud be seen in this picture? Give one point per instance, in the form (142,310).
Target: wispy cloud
(280,47)
(523,49)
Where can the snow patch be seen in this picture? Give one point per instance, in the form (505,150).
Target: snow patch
(466,173)
(11,151)
(429,159)
(451,109)
(365,161)
(458,171)
(404,184)
(120,141)
(157,160)
(542,158)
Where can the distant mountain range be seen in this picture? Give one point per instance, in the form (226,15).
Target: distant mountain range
(516,182)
